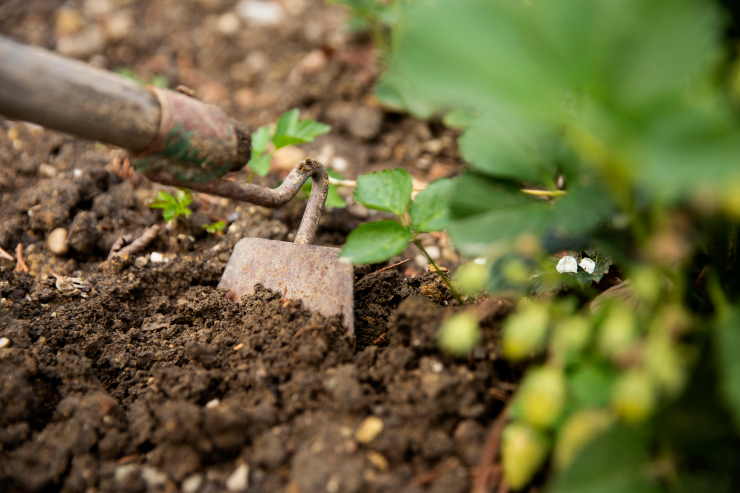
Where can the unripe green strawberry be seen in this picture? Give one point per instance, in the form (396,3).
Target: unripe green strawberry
(525,331)
(633,396)
(646,283)
(570,336)
(523,450)
(515,271)
(580,429)
(542,396)
(618,333)
(459,334)
(663,363)
(471,278)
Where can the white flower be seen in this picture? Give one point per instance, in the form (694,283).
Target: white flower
(588,265)
(567,264)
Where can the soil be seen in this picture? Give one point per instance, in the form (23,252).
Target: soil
(138,374)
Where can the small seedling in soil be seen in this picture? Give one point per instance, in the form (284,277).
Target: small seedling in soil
(215,228)
(290,129)
(390,191)
(173,206)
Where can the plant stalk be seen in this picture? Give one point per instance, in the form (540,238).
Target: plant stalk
(445,278)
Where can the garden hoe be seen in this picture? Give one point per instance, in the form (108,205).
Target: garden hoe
(177,140)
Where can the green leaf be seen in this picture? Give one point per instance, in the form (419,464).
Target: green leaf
(333,199)
(614,462)
(727,351)
(522,150)
(287,122)
(430,210)
(289,130)
(485,211)
(216,227)
(260,163)
(173,206)
(260,139)
(376,242)
(387,190)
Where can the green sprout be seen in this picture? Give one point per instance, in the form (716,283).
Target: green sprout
(173,206)
(214,228)
(290,129)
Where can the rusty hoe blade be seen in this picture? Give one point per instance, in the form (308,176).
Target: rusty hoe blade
(310,273)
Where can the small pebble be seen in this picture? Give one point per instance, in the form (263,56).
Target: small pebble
(57,241)
(123,472)
(239,479)
(47,170)
(141,261)
(96,8)
(156,258)
(68,21)
(369,429)
(212,403)
(119,26)
(260,12)
(340,164)
(244,97)
(433,251)
(153,477)
(4,342)
(82,44)
(191,484)
(228,23)
(313,62)
(378,460)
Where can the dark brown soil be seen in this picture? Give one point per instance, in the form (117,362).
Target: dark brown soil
(139,375)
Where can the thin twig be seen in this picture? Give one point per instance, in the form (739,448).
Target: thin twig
(389,267)
(138,244)
(117,245)
(20,265)
(483,475)
(529,191)
(5,255)
(352,184)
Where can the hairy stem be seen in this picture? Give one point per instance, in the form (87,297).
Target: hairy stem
(445,278)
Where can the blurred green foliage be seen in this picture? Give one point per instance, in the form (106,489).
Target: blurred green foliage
(607,129)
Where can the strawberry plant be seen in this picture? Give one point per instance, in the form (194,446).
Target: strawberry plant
(391,191)
(173,205)
(604,132)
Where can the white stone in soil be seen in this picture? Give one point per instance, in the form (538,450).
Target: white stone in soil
(156,258)
(239,479)
(4,342)
(260,12)
(153,477)
(191,484)
(567,264)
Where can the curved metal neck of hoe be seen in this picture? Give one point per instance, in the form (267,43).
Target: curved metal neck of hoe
(270,197)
